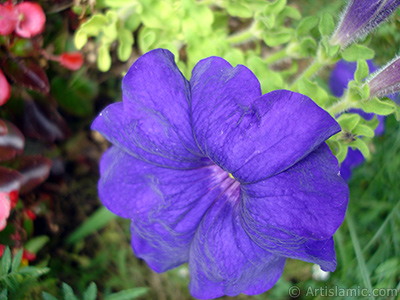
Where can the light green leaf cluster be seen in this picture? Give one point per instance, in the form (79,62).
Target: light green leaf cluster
(356,133)
(115,25)
(269,37)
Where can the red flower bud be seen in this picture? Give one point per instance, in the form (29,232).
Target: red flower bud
(72,61)
(13,198)
(29,256)
(31,215)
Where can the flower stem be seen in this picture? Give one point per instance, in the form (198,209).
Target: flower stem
(340,106)
(308,73)
(274,57)
(245,35)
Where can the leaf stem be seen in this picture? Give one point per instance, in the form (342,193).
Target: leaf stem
(278,55)
(245,35)
(308,73)
(340,106)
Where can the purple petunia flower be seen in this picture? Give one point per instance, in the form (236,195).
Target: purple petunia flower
(340,76)
(213,173)
(360,17)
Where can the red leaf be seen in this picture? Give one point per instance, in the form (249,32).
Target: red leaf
(10,180)
(41,120)
(34,170)
(5,89)
(33,19)
(8,19)
(12,141)
(72,61)
(27,73)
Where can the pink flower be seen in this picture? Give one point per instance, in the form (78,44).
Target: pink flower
(5,89)
(32,19)
(8,19)
(5,207)
(27,19)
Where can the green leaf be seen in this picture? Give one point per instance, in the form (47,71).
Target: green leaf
(4,294)
(269,79)
(117,3)
(91,292)
(17,260)
(276,38)
(104,58)
(132,23)
(306,25)
(382,107)
(289,12)
(348,121)
(308,47)
(80,39)
(68,292)
(147,37)
(362,71)
(110,32)
(238,9)
(363,130)
(77,98)
(91,27)
(234,57)
(95,222)
(34,271)
(314,91)
(94,25)
(356,52)
(326,24)
(47,296)
(360,257)
(274,8)
(128,294)
(6,261)
(125,39)
(362,146)
(37,243)
(342,151)
(22,47)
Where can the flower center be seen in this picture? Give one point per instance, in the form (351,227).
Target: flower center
(223,180)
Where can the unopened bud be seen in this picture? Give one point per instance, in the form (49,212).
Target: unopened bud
(360,17)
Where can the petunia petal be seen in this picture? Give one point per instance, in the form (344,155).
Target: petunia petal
(299,209)
(225,261)
(353,159)
(165,205)
(218,93)
(117,126)
(155,114)
(249,136)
